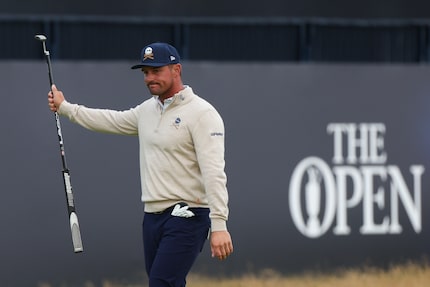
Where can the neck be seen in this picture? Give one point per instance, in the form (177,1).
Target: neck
(171,93)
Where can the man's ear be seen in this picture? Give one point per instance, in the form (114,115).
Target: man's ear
(178,69)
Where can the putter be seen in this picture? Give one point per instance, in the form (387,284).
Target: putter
(73,218)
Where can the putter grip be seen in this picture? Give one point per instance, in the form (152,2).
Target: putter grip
(74,224)
(76,233)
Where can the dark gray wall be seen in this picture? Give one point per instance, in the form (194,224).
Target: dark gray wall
(196,8)
(276,115)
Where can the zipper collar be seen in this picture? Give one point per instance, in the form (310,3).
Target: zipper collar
(175,99)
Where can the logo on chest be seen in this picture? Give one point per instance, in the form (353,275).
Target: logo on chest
(177,123)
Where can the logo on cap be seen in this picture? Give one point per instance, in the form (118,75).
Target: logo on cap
(148,54)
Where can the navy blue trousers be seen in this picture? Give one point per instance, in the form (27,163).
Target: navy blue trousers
(172,244)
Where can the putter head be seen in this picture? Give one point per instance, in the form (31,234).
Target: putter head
(40,37)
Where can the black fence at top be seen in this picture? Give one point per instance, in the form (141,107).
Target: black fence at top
(219,39)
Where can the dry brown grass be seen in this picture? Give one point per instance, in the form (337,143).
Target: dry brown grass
(406,275)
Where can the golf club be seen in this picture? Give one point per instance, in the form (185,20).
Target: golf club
(74,224)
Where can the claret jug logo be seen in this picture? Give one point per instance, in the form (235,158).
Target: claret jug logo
(321,196)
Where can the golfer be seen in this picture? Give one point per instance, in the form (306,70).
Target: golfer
(181,139)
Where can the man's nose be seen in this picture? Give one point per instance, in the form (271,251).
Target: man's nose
(148,77)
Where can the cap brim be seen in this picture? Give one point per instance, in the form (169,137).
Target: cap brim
(140,66)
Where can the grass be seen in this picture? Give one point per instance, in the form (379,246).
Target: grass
(408,275)
(405,275)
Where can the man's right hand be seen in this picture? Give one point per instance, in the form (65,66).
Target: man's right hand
(55,98)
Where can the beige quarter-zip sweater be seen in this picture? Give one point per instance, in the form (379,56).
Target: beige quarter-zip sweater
(181,150)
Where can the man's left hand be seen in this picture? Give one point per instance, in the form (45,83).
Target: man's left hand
(221,244)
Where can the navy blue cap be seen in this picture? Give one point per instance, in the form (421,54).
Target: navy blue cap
(158,55)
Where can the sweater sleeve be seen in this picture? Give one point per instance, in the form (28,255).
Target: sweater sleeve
(208,137)
(101,120)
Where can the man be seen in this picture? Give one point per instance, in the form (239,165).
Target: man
(181,139)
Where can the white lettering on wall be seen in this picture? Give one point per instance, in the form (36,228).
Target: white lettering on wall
(359,178)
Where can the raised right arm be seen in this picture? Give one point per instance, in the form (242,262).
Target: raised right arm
(100,120)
